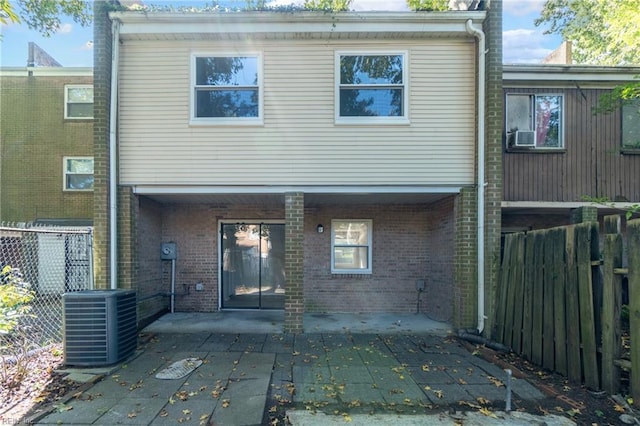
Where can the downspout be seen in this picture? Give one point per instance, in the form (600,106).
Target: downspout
(113,167)
(481,171)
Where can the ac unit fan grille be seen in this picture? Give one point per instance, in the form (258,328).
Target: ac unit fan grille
(100,327)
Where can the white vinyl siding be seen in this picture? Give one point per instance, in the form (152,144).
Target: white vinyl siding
(298,142)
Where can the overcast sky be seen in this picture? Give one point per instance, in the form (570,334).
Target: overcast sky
(72,46)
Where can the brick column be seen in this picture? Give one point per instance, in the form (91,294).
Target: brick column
(493,165)
(127,238)
(294,262)
(101,105)
(465,259)
(584,214)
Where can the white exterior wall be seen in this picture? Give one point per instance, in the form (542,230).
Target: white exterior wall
(298,143)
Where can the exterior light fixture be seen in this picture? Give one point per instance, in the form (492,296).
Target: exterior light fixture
(320,228)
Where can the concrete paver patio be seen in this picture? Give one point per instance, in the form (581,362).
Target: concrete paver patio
(370,375)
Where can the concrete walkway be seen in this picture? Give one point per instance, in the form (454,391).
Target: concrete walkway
(373,377)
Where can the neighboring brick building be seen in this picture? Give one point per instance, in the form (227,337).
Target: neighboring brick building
(301,161)
(46,133)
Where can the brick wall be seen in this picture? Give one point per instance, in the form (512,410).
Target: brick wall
(437,299)
(194,229)
(150,287)
(409,242)
(35,138)
(406,244)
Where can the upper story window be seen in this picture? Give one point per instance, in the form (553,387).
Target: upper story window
(226,89)
(78,101)
(78,173)
(351,246)
(631,125)
(534,121)
(371,87)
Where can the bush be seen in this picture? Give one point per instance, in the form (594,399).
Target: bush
(15,295)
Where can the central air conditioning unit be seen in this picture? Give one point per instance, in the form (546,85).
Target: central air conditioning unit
(100,327)
(525,138)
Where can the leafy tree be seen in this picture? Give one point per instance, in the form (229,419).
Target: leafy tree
(328,5)
(428,5)
(603,32)
(44,15)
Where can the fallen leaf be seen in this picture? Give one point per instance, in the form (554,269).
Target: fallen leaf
(483,401)
(225,403)
(132,414)
(485,411)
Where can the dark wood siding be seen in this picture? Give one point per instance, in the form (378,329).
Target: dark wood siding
(591,164)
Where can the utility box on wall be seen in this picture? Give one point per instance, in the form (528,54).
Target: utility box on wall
(168,251)
(100,327)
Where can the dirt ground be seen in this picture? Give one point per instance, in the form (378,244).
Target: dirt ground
(41,388)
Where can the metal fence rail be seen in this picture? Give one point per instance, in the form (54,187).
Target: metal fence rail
(53,261)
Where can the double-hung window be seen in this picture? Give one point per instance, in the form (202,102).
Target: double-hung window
(351,242)
(78,173)
(534,121)
(631,125)
(78,101)
(226,89)
(371,87)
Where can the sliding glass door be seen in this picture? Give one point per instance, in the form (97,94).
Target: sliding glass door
(253,275)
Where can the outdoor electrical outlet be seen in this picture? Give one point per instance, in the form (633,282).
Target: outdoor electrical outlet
(199,286)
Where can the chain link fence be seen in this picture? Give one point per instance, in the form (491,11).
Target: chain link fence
(50,261)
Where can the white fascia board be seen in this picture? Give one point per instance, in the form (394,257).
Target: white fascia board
(247,23)
(195,190)
(46,71)
(564,205)
(515,75)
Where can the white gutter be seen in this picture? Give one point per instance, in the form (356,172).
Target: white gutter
(113,165)
(481,173)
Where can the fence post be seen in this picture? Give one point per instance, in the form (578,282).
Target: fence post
(633,248)
(574,364)
(89,237)
(584,234)
(611,304)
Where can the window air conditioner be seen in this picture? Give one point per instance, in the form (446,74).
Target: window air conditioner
(525,138)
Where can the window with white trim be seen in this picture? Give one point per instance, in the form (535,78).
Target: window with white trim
(78,101)
(226,89)
(534,121)
(351,242)
(78,173)
(371,87)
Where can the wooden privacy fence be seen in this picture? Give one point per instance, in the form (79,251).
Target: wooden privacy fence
(559,301)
